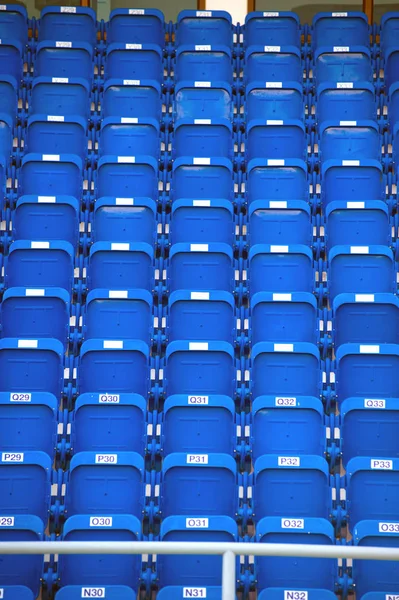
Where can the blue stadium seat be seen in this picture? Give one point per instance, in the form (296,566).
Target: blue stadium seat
(199,368)
(393,104)
(202,177)
(6,138)
(287,425)
(204,27)
(47,218)
(203,100)
(389,29)
(372,488)
(17,592)
(14,23)
(64,59)
(40,265)
(3,171)
(35,313)
(118,315)
(121,266)
(198,424)
(203,137)
(25,483)
(291,486)
(105,483)
(293,572)
(202,220)
(128,136)
(276,139)
(109,423)
(8,97)
(201,267)
(191,570)
(342,64)
(346,101)
(391,67)
(53,134)
(28,570)
(277,317)
(366,319)
(367,371)
(275,28)
(274,100)
(31,366)
(361,270)
(273,63)
(379,576)
(111,592)
(60,96)
(277,179)
(103,367)
(285,369)
(124,220)
(357,223)
(368,427)
(201,316)
(277,269)
(50,174)
(135,25)
(340,29)
(131,98)
(28,421)
(136,61)
(96,569)
(395,146)
(11,59)
(203,63)
(379,596)
(199,484)
(352,180)
(284,594)
(345,140)
(280,222)
(173,592)
(69,23)
(127,176)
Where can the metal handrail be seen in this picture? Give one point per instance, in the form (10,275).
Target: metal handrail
(229,551)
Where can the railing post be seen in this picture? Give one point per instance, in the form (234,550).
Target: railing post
(229,576)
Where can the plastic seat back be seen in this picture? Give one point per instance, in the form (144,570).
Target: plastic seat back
(199,220)
(129,136)
(340,29)
(280,222)
(111,592)
(285,369)
(203,100)
(285,269)
(136,25)
(110,423)
(275,28)
(49,134)
(203,137)
(346,101)
(287,426)
(284,594)
(127,176)
(50,175)
(204,27)
(120,266)
(103,367)
(203,63)
(136,61)
(357,223)
(124,220)
(198,424)
(202,178)
(72,24)
(8,97)
(100,570)
(201,267)
(342,64)
(273,63)
(367,371)
(6,139)
(64,59)
(200,368)
(354,140)
(172,592)
(389,29)
(274,100)
(11,59)
(352,180)
(60,96)
(199,484)
(130,98)
(391,70)
(277,179)
(14,23)
(276,139)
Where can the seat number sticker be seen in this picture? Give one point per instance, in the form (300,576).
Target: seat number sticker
(198,399)
(108,459)
(289,461)
(191,592)
(197,523)
(292,523)
(377,463)
(295,595)
(197,459)
(12,457)
(93,592)
(6,521)
(18,397)
(108,399)
(100,521)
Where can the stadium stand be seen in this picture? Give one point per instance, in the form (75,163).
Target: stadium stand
(199,316)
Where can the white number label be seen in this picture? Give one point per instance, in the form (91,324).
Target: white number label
(93,592)
(6,521)
(136,11)
(100,521)
(295,595)
(289,461)
(285,401)
(108,399)
(12,457)
(1,589)
(368,403)
(376,463)
(17,397)
(197,459)
(198,400)
(387,597)
(292,523)
(388,527)
(197,523)
(341,49)
(191,592)
(109,459)
(68,9)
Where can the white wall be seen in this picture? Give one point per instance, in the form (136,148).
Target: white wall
(237,8)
